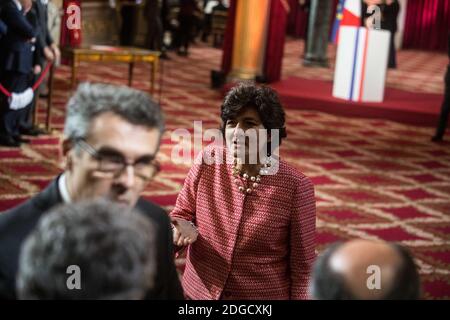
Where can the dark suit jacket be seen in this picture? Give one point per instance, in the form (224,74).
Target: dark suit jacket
(38,17)
(3,28)
(17,223)
(17,51)
(448,44)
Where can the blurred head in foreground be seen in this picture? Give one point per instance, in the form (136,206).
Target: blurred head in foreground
(91,250)
(366,270)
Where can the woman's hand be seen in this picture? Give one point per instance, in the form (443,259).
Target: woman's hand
(184,232)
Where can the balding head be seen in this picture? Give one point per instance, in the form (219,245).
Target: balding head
(362,269)
(356,260)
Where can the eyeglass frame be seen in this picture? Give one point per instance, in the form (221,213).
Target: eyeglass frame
(94,153)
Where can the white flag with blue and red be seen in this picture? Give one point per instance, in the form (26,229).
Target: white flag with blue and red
(348,13)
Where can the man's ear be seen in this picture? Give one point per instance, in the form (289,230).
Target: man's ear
(67,153)
(67,145)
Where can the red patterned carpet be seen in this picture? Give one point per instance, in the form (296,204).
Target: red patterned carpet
(374,179)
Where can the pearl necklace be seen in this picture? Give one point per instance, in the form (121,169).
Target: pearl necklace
(253,180)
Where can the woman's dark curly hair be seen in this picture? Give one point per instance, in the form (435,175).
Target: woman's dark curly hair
(263,98)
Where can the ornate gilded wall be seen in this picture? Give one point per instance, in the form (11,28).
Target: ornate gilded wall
(99,23)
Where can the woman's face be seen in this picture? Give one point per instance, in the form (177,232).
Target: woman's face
(245,135)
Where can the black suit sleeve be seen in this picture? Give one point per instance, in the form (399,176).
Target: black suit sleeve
(34,18)
(448,44)
(3,28)
(175,291)
(17,23)
(15,226)
(38,53)
(49,38)
(41,40)
(39,13)
(167,283)
(5,291)
(170,288)
(394,11)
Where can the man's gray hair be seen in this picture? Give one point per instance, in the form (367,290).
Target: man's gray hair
(91,99)
(114,249)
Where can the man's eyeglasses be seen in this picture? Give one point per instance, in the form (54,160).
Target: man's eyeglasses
(112,165)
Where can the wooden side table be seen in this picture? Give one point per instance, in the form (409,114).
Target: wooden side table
(106,54)
(128,55)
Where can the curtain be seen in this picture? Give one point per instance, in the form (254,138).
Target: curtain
(427,24)
(297,20)
(71,24)
(227,46)
(276,35)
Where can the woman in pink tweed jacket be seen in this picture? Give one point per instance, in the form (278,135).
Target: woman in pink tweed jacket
(249,228)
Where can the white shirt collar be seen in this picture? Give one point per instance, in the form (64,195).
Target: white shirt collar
(62,186)
(44,2)
(19,6)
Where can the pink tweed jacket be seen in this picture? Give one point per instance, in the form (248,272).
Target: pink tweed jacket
(256,246)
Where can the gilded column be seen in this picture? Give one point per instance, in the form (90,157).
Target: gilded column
(250,36)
